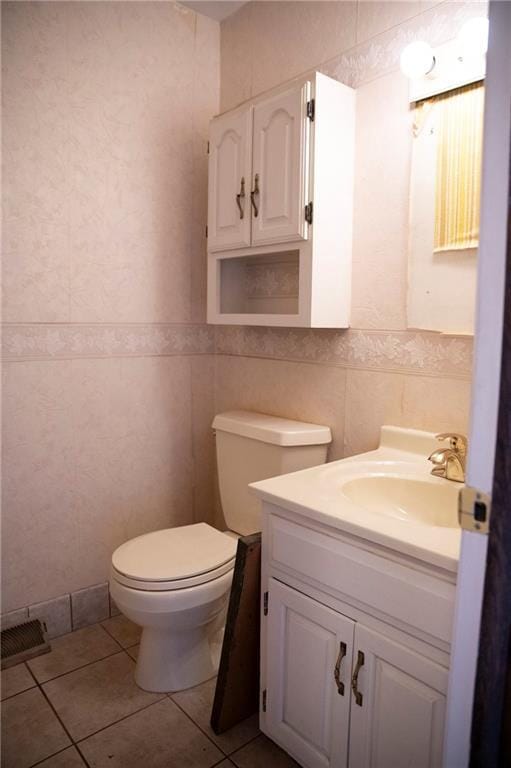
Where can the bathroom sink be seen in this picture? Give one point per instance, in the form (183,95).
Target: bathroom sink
(406,498)
(387,496)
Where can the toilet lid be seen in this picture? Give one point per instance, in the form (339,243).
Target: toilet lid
(174,554)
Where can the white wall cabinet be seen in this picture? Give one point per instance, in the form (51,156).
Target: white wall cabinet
(340,686)
(230,168)
(280,208)
(281,166)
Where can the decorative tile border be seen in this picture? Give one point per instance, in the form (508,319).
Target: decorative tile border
(408,351)
(380,55)
(41,341)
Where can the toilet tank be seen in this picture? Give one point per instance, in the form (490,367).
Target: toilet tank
(254,446)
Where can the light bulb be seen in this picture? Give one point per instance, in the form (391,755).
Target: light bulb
(417,59)
(473,38)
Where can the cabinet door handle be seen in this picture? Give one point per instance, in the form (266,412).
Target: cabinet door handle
(253,193)
(337,668)
(354,680)
(241,196)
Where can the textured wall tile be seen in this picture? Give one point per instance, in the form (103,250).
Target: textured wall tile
(381,204)
(376,17)
(300,391)
(372,399)
(291,38)
(133,448)
(437,404)
(55,613)
(39,526)
(90,605)
(36,168)
(11,619)
(236,60)
(203,442)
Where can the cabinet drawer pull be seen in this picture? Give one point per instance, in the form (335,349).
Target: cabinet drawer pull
(241,196)
(337,668)
(354,680)
(253,193)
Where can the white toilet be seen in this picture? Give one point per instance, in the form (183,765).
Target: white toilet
(175,582)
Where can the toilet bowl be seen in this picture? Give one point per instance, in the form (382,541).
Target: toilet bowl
(175,582)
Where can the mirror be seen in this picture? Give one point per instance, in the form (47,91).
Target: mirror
(444,210)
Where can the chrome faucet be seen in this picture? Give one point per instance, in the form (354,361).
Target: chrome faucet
(450,462)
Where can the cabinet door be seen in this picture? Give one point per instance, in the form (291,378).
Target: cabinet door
(281,167)
(400,720)
(305,712)
(230,147)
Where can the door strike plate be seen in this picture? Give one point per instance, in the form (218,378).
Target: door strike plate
(474,510)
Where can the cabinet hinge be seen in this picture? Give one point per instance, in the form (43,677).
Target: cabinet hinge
(308,213)
(265,604)
(206,230)
(474,510)
(264,701)
(207,151)
(311,105)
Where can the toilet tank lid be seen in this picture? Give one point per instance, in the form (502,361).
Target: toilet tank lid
(272,429)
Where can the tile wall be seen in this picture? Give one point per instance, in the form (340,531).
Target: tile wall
(106,401)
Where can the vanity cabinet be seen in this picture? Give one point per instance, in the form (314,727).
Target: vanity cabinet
(280,198)
(351,675)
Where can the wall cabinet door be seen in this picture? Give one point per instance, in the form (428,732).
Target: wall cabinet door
(281,167)
(400,720)
(305,711)
(230,163)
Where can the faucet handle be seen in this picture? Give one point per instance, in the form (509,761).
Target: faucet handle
(457,442)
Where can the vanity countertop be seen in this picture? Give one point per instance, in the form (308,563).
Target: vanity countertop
(325,494)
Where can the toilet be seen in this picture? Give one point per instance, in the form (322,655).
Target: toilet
(175,582)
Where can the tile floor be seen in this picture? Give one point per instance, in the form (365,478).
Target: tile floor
(79,706)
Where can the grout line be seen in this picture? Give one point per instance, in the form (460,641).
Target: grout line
(112,637)
(120,720)
(56,715)
(169,695)
(350,366)
(39,762)
(82,666)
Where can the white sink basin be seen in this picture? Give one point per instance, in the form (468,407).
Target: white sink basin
(387,496)
(405,498)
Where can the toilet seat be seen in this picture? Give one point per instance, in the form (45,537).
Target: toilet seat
(174,558)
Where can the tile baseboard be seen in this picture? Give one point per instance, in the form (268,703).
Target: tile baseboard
(66,613)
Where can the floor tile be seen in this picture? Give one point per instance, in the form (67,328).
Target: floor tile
(123,630)
(15,680)
(262,753)
(198,702)
(133,651)
(30,730)
(73,651)
(225,764)
(97,695)
(69,758)
(160,736)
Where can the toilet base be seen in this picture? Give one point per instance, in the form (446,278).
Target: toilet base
(172,661)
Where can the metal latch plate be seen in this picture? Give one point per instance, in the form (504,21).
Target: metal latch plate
(474,510)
